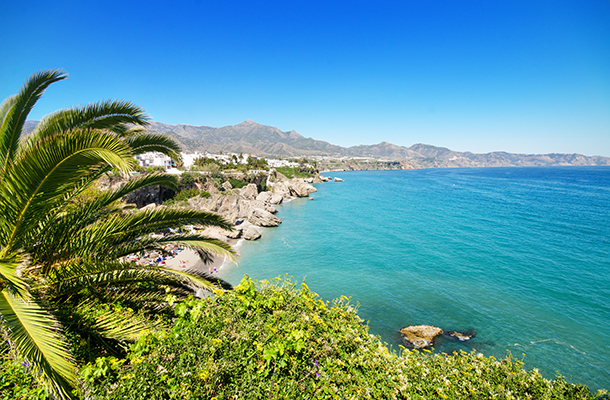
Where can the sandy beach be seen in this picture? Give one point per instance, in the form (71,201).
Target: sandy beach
(189,259)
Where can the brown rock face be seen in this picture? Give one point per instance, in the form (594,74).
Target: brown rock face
(262,217)
(251,234)
(420,336)
(249,192)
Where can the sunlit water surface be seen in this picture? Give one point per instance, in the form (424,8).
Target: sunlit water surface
(521,256)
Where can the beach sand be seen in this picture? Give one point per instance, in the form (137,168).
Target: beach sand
(189,259)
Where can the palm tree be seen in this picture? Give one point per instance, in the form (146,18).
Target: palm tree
(59,238)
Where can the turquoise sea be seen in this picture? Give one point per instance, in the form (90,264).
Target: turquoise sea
(521,256)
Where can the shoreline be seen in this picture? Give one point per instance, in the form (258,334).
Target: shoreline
(187,259)
(248,210)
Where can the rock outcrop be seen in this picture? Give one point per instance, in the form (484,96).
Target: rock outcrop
(293,188)
(243,231)
(270,198)
(246,208)
(235,208)
(249,192)
(261,217)
(321,179)
(250,233)
(420,336)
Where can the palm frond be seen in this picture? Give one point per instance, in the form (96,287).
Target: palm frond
(20,106)
(146,142)
(94,208)
(5,106)
(108,115)
(73,277)
(121,325)
(40,178)
(203,279)
(146,296)
(10,264)
(34,334)
(162,218)
(102,236)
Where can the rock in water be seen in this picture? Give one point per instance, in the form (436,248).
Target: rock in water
(420,336)
(262,217)
(338,180)
(275,199)
(461,336)
(251,234)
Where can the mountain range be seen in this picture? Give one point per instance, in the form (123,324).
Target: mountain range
(250,137)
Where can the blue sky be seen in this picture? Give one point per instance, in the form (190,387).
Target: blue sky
(518,76)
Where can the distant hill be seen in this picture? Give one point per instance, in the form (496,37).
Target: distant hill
(250,137)
(253,138)
(247,137)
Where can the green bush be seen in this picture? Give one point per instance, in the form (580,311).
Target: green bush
(185,195)
(281,341)
(237,183)
(17,383)
(155,168)
(189,178)
(296,172)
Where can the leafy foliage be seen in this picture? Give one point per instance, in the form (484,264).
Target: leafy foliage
(185,195)
(61,243)
(282,341)
(188,179)
(16,383)
(237,183)
(297,172)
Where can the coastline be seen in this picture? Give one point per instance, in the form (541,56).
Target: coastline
(248,211)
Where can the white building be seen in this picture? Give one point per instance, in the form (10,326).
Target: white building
(154,159)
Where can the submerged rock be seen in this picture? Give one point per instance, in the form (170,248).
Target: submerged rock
(420,336)
(460,336)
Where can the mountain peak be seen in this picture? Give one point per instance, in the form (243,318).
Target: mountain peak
(248,122)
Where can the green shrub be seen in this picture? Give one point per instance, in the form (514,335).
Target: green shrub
(281,341)
(17,383)
(155,168)
(189,178)
(185,195)
(296,172)
(237,183)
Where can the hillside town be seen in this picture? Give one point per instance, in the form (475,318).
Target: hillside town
(155,159)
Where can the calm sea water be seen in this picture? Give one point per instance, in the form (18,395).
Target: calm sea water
(521,256)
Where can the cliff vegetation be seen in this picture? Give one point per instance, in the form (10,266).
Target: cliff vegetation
(277,339)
